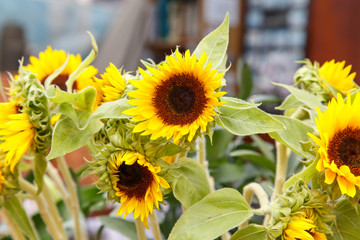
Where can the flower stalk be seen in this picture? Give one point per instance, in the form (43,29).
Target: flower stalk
(14,229)
(52,226)
(155,226)
(74,204)
(140,229)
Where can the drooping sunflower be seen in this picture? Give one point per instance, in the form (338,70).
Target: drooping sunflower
(136,182)
(24,120)
(50,60)
(178,97)
(339,77)
(15,128)
(303,226)
(339,143)
(111,86)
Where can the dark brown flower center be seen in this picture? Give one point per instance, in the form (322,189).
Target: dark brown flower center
(134,180)
(344,149)
(180,99)
(60,81)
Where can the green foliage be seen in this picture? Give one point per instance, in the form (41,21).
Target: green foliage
(78,127)
(215,45)
(242,118)
(347,222)
(255,157)
(215,214)
(308,99)
(122,226)
(17,213)
(250,232)
(188,181)
(294,135)
(82,100)
(305,175)
(245,79)
(67,136)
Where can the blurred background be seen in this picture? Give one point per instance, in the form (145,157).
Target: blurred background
(269,35)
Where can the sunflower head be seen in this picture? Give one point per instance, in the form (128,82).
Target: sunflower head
(177,98)
(338,143)
(337,76)
(293,209)
(326,80)
(125,171)
(50,60)
(111,85)
(25,119)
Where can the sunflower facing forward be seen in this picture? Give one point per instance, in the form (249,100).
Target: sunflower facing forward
(136,182)
(339,143)
(50,60)
(177,98)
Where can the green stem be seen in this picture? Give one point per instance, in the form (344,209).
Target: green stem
(201,157)
(140,229)
(48,219)
(14,229)
(53,209)
(282,155)
(257,189)
(59,184)
(74,204)
(155,226)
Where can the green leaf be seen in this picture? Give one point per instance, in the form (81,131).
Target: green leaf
(16,211)
(347,223)
(82,100)
(306,175)
(305,97)
(220,143)
(237,103)
(215,44)
(215,214)
(39,170)
(120,225)
(111,110)
(76,129)
(67,136)
(245,80)
(290,102)
(241,118)
(188,181)
(254,157)
(228,172)
(266,148)
(250,232)
(295,133)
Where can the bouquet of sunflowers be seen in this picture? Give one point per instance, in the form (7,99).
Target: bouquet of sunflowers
(168,138)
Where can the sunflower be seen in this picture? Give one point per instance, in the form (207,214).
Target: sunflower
(50,60)
(177,98)
(339,143)
(15,128)
(303,226)
(136,182)
(111,86)
(335,74)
